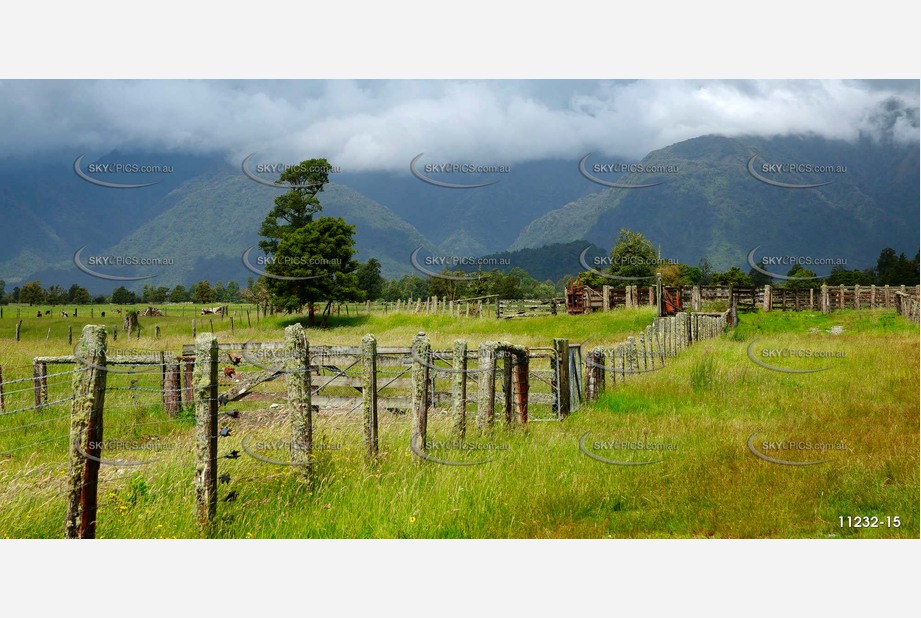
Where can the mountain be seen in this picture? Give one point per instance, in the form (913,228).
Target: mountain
(550,262)
(201,223)
(471,222)
(709,204)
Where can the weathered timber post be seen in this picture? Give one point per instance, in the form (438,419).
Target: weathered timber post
(89,388)
(561,352)
(823,299)
(40,383)
(459,387)
(594,373)
(70,335)
(857,297)
(631,360)
(841,302)
(507,385)
(659,294)
(695,298)
(872,297)
(498,310)
(766,303)
(188,369)
(369,392)
(156,332)
(2,402)
(172,400)
(300,413)
(194,330)
(18,327)
(486,395)
(605,298)
(204,382)
(522,363)
(422,354)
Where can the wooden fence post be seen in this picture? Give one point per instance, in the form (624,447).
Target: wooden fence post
(522,385)
(188,368)
(172,400)
(422,353)
(459,387)
(507,385)
(300,413)
(486,395)
(40,383)
(2,402)
(369,391)
(89,388)
(70,335)
(561,352)
(767,302)
(204,382)
(594,373)
(18,327)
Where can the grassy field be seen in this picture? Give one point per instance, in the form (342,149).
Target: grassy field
(695,418)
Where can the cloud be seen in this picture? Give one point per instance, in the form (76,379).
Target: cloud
(374,125)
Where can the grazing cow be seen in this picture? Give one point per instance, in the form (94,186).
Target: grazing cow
(64,314)
(38,314)
(48,312)
(118,311)
(103,314)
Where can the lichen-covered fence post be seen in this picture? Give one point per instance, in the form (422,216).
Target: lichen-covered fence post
(172,400)
(204,383)
(422,355)
(89,391)
(297,382)
(369,392)
(459,387)
(594,373)
(486,393)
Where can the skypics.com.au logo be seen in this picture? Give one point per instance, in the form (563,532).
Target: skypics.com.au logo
(792,446)
(623,168)
(83,263)
(625,446)
(792,260)
(466,447)
(627,261)
(797,354)
(114,170)
(324,264)
(446,262)
(776,174)
(252,172)
(425,171)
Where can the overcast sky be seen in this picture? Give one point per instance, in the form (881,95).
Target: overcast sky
(365,125)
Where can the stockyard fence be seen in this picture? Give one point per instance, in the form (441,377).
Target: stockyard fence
(907,305)
(585,299)
(496,383)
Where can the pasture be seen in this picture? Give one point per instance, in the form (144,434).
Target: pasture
(695,417)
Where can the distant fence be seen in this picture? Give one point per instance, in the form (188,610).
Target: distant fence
(767,298)
(908,306)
